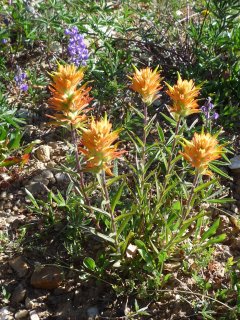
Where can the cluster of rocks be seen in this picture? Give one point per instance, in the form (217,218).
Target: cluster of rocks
(39,286)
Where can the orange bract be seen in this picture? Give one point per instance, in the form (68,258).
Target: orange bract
(67,77)
(147,83)
(69,102)
(97,141)
(183,95)
(202,149)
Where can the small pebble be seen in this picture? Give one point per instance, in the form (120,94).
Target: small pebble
(33,315)
(21,314)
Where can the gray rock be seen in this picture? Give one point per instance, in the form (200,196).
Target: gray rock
(3,194)
(47,174)
(21,314)
(62,178)
(5,314)
(18,295)
(92,312)
(235,164)
(37,187)
(19,265)
(29,304)
(43,153)
(33,315)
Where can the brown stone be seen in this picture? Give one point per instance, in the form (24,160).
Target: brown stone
(46,277)
(19,265)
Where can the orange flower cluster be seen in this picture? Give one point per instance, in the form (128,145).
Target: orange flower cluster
(147,83)
(203,149)
(184,95)
(98,149)
(68,100)
(70,104)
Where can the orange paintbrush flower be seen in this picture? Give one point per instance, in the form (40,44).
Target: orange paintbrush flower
(183,95)
(69,102)
(67,77)
(98,147)
(147,83)
(201,150)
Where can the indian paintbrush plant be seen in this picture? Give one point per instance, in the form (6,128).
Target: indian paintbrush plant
(154,209)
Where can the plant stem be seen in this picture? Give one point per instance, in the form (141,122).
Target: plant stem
(78,165)
(144,134)
(106,196)
(188,206)
(172,151)
(142,224)
(169,167)
(186,210)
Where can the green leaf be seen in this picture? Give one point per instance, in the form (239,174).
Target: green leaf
(204,185)
(89,263)
(32,199)
(224,200)
(117,196)
(160,133)
(139,113)
(98,234)
(219,171)
(170,120)
(216,239)
(211,231)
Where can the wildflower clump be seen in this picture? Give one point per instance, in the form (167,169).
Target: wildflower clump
(98,147)
(68,100)
(77,49)
(147,83)
(201,150)
(184,95)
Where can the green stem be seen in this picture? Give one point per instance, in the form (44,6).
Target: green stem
(169,167)
(78,165)
(106,196)
(188,204)
(145,113)
(187,208)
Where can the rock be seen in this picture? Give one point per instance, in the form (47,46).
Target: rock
(3,195)
(14,221)
(62,178)
(92,312)
(234,208)
(21,314)
(5,314)
(235,164)
(33,315)
(18,295)
(43,153)
(37,187)
(29,304)
(19,265)
(47,174)
(46,277)
(51,164)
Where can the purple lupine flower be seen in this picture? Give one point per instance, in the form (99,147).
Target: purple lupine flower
(20,79)
(4,41)
(77,49)
(208,111)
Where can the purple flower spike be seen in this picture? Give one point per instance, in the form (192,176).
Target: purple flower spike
(20,79)
(215,115)
(77,49)
(23,87)
(208,111)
